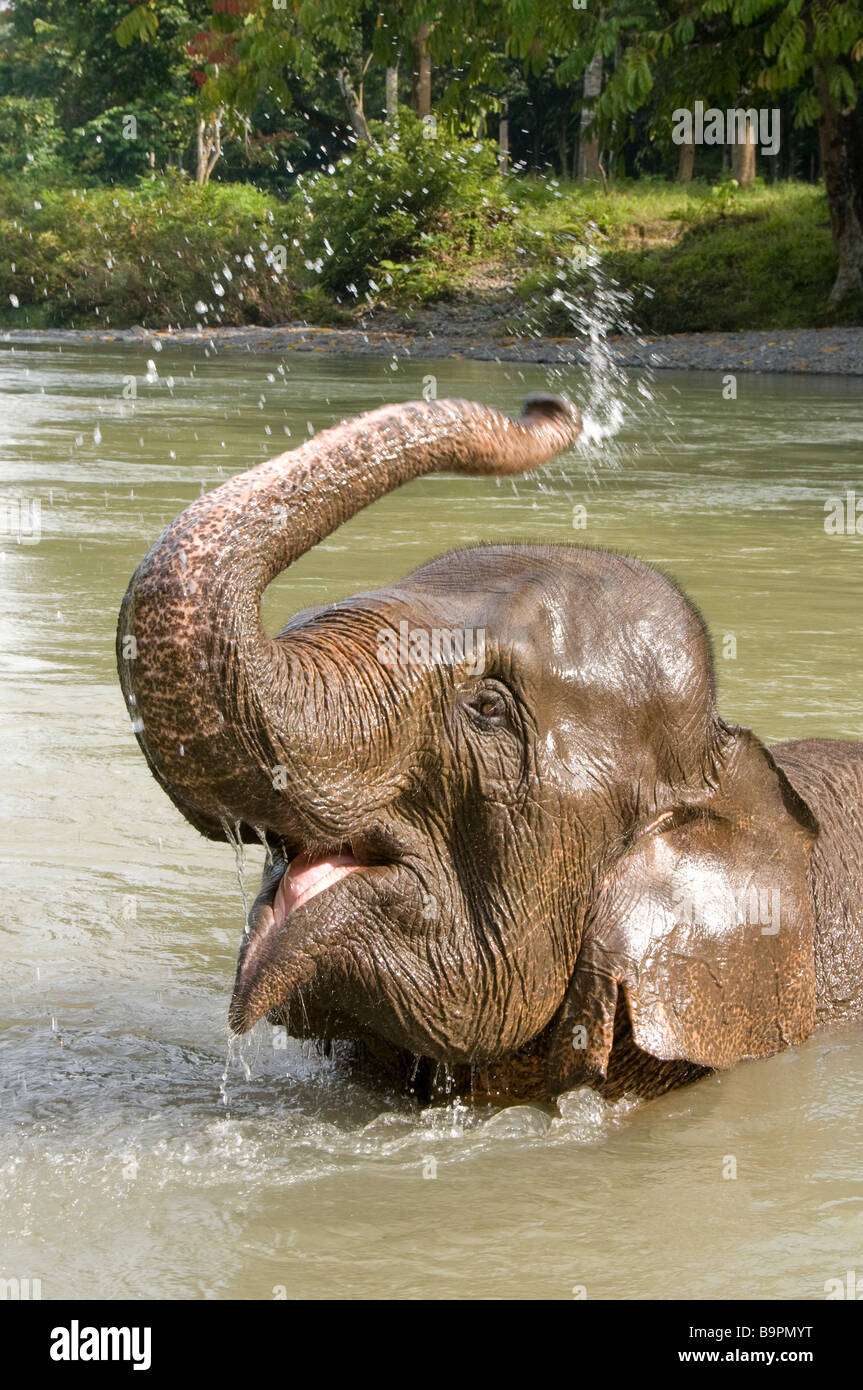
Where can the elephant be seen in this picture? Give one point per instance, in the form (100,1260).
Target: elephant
(512,847)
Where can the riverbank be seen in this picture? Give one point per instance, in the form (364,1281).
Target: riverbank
(520,261)
(824,351)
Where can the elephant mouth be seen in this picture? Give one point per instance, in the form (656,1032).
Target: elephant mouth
(308,875)
(275,959)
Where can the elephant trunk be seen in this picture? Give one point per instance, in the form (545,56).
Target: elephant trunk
(213,699)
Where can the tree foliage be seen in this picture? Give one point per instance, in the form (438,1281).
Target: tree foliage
(274,90)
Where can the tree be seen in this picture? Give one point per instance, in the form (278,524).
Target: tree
(686,163)
(66,51)
(209,145)
(813,48)
(816,46)
(743,160)
(354,104)
(310,43)
(393,93)
(421,85)
(588,138)
(343,41)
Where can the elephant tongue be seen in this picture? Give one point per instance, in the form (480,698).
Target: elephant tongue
(306,878)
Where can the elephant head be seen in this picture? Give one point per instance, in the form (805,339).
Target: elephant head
(504,817)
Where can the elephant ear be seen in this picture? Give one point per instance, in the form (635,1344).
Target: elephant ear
(703,931)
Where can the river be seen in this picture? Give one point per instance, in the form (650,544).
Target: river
(143,1156)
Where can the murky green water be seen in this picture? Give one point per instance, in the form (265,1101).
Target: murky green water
(133,1163)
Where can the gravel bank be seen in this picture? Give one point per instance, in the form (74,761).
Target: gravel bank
(822,351)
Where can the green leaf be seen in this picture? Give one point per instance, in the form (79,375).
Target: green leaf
(140,23)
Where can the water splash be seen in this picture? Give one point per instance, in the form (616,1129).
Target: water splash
(594,309)
(232,835)
(235,1055)
(589,309)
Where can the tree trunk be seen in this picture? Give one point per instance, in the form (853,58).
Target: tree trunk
(686,162)
(562,146)
(743,157)
(354,105)
(421,86)
(393,95)
(840,140)
(503,139)
(588,145)
(786,149)
(209,146)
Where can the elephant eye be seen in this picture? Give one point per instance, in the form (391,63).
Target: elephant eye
(487,707)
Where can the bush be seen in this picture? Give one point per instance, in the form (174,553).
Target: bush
(424,196)
(163,252)
(406,224)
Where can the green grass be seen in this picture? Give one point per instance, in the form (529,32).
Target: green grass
(694,258)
